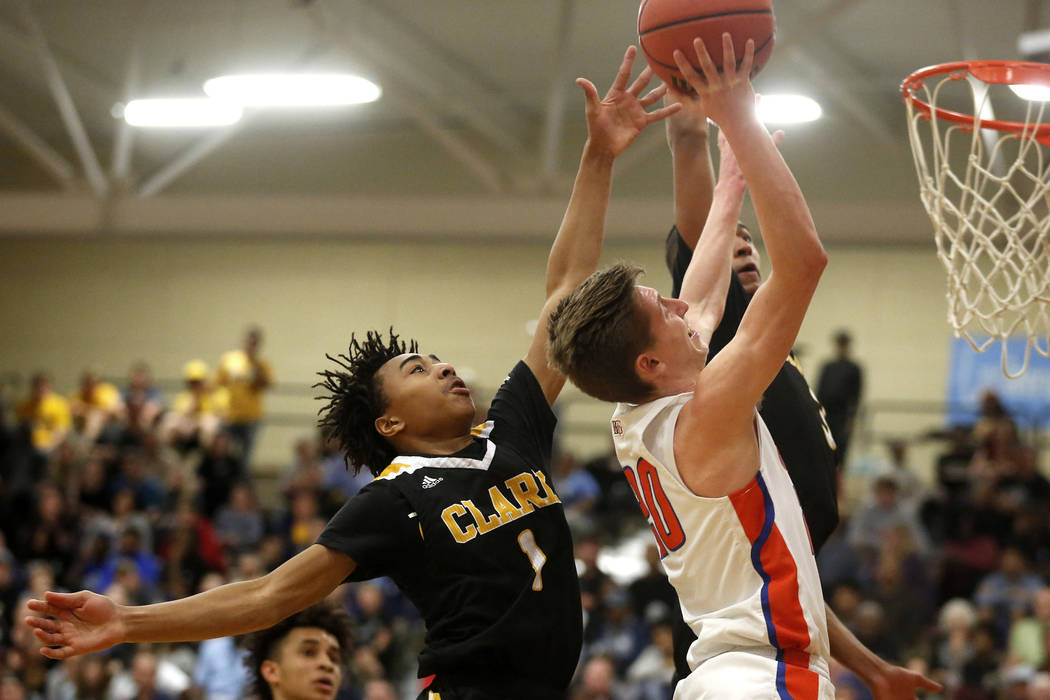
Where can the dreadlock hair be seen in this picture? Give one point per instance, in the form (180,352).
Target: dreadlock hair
(263,645)
(355,399)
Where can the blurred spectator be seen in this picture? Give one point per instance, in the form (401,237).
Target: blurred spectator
(305,523)
(219,469)
(305,471)
(1029,638)
(190,550)
(143,404)
(44,414)
(150,678)
(49,534)
(373,631)
(379,690)
(578,490)
(197,412)
(246,376)
(839,390)
(597,681)
(239,524)
(1008,592)
(980,674)
(97,409)
(652,595)
(220,671)
(619,634)
(908,483)
(593,582)
(650,676)
(131,557)
(954,646)
(337,480)
(870,527)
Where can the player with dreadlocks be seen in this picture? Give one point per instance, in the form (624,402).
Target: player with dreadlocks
(462,518)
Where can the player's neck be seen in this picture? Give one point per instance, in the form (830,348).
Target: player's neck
(433,445)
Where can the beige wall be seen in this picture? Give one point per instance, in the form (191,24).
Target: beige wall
(66,304)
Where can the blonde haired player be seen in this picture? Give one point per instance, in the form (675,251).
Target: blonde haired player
(699,458)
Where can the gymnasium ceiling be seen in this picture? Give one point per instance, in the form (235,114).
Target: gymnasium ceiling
(477,133)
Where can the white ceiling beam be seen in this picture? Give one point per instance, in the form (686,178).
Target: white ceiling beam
(554,124)
(124,139)
(66,107)
(454,91)
(483,217)
(60,169)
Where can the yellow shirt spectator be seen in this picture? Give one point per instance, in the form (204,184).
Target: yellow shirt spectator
(246,378)
(207,403)
(102,395)
(48,417)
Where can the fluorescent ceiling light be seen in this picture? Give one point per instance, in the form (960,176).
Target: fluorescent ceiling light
(292,89)
(1034,93)
(787,109)
(181,112)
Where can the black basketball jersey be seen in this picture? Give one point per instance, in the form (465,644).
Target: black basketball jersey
(478,541)
(789,408)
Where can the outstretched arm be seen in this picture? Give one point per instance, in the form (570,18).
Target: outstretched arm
(694,179)
(85,622)
(613,123)
(886,681)
(727,391)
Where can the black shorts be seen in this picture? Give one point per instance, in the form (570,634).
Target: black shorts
(463,688)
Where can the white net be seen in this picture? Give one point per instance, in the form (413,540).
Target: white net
(987,193)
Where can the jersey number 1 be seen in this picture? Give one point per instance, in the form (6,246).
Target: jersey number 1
(656,507)
(527,542)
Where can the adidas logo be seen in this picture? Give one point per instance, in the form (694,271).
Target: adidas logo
(430,481)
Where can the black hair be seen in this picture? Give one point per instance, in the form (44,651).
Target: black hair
(355,399)
(262,645)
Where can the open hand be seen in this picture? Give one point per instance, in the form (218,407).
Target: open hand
(613,122)
(84,622)
(726,95)
(899,683)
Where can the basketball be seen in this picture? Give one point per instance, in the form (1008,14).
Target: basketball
(666,25)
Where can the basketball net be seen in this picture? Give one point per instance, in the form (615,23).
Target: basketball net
(986,187)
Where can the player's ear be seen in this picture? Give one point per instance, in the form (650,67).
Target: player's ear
(647,366)
(389,425)
(270,672)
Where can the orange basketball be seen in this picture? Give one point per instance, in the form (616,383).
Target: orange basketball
(666,25)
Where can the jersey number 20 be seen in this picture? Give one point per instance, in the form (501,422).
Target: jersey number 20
(656,507)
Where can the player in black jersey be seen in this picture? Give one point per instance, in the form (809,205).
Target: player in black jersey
(464,519)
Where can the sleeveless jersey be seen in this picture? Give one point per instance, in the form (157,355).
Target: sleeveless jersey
(478,541)
(742,564)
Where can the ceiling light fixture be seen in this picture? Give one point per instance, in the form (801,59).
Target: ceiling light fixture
(788,109)
(1032,93)
(292,89)
(192,112)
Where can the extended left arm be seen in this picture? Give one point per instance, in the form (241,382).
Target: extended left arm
(886,681)
(612,125)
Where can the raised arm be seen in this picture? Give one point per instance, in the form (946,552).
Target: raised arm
(728,389)
(85,622)
(694,179)
(613,123)
(707,278)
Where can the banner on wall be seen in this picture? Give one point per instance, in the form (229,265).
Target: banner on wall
(971,373)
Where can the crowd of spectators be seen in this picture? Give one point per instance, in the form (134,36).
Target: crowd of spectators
(147,497)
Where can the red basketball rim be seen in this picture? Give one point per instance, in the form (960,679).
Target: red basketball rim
(995,72)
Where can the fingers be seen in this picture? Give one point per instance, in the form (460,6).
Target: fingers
(654,96)
(589,91)
(625,69)
(688,72)
(749,58)
(39,606)
(42,623)
(58,654)
(707,66)
(66,600)
(662,113)
(48,638)
(728,57)
(641,81)
(926,683)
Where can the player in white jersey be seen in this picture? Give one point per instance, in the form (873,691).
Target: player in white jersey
(702,464)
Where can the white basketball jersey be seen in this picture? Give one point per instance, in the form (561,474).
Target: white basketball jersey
(742,564)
